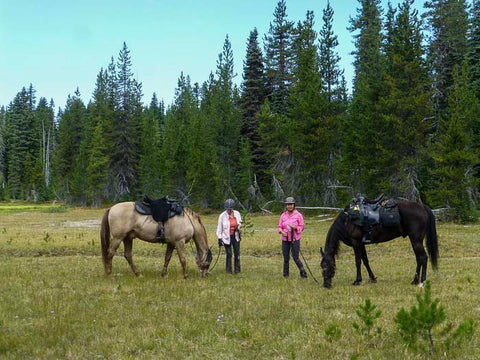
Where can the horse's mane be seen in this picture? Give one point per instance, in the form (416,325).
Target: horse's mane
(336,233)
(194,214)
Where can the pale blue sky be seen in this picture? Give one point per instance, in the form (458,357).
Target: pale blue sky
(59,45)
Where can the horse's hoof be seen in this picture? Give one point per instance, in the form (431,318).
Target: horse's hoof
(421,285)
(414,282)
(373,280)
(356,283)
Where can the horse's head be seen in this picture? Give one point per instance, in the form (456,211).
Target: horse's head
(204,264)
(328,269)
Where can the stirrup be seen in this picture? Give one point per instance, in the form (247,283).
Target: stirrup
(365,240)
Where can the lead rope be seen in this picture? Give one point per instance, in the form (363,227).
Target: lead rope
(308,267)
(303,257)
(218,256)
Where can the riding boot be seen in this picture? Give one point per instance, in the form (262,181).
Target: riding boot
(286,270)
(160,237)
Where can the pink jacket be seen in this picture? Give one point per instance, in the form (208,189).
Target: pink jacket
(296,219)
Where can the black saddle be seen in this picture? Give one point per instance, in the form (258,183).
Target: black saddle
(160,209)
(371,212)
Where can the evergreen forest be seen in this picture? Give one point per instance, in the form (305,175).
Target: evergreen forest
(409,127)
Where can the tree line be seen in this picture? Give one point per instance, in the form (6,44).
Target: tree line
(409,128)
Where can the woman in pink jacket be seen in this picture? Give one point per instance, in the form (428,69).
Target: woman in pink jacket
(290,226)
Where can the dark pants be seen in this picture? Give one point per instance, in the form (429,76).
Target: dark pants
(236,254)
(294,246)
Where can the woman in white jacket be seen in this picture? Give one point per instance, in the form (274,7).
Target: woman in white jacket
(228,234)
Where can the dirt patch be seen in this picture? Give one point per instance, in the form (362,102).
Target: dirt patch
(95,223)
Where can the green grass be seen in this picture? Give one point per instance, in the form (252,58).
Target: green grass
(56,302)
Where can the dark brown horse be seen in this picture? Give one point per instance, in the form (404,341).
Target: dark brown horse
(416,222)
(123,223)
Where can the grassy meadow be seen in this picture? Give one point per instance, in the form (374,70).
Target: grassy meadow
(56,302)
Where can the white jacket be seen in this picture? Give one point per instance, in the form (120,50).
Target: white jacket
(223,227)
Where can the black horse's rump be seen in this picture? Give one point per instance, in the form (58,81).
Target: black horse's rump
(160,209)
(416,221)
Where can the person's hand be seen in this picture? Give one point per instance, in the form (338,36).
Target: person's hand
(220,242)
(283,233)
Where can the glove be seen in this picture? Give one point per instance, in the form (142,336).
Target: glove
(220,242)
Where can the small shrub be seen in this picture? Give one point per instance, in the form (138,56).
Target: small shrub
(416,326)
(368,313)
(247,225)
(333,332)
(47,238)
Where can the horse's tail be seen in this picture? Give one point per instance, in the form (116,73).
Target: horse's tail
(105,236)
(432,239)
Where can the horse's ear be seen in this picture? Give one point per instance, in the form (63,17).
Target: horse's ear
(321,252)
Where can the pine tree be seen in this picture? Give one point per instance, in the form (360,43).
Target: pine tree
(149,166)
(308,131)
(335,89)
(279,59)
(447,23)
(97,166)
(126,129)
(474,67)
(277,151)
(473,53)
(454,154)
(329,59)
(361,131)
(21,148)
(99,130)
(71,132)
(253,95)
(203,171)
(3,121)
(227,115)
(404,106)
(175,142)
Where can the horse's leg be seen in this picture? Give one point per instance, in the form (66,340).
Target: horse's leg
(422,258)
(128,245)
(181,257)
(358,263)
(168,256)
(112,249)
(367,266)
